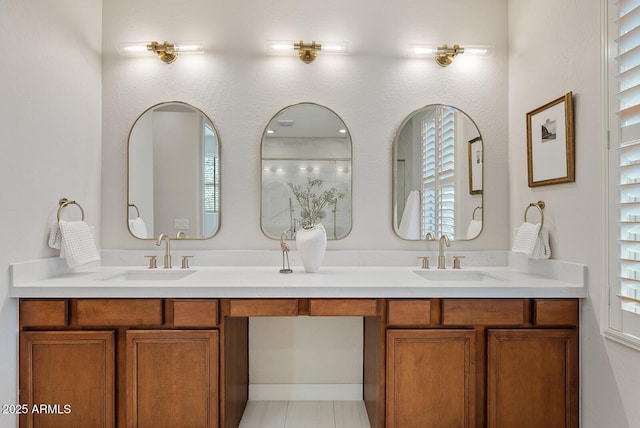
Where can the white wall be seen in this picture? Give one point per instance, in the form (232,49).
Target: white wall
(50,134)
(240,87)
(554,48)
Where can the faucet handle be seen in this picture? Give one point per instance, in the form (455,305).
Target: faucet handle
(185,262)
(456,261)
(425,261)
(153,262)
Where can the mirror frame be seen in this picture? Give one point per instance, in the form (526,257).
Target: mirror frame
(394,161)
(128,207)
(348,133)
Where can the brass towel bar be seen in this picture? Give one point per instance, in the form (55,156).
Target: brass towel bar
(540,206)
(64,202)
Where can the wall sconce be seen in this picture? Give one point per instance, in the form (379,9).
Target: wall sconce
(167,52)
(307,52)
(444,55)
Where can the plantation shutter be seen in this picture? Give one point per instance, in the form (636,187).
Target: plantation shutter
(438,172)
(629,165)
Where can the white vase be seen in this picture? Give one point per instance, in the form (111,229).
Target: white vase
(311,244)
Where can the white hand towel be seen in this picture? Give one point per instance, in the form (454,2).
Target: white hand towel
(474,229)
(137,227)
(55,237)
(542,250)
(78,246)
(410,223)
(526,238)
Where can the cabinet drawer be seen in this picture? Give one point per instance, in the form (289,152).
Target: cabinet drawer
(43,313)
(263,308)
(556,312)
(343,307)
(483,312)
(413,313)
(116,312)
(195,313)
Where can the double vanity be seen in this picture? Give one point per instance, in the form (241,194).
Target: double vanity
(492,344)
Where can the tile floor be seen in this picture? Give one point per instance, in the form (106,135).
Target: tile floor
(305,414)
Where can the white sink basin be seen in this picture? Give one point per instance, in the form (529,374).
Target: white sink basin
(150,275)
(457,275)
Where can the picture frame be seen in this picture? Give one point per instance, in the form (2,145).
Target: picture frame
(475,166)
(550,143)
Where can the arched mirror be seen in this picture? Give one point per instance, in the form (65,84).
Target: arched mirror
(173,173)
(306,147)
(438,175)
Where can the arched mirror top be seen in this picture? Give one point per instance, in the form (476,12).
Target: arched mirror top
(303,142)
(173,173)
(438,159)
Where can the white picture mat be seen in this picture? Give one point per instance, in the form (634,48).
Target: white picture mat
(549,158)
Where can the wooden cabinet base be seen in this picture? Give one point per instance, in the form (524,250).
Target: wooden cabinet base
(496,363)
(67,379)
(532,379)
(431,378)
(171,378)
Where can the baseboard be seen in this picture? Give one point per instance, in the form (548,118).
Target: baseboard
(299,391)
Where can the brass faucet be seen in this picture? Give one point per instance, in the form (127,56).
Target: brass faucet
(444,240)
(167,252)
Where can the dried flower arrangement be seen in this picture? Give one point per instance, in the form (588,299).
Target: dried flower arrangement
(313,203)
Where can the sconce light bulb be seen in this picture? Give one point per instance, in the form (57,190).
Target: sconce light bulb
(422,50)
(280,46)
(189,47)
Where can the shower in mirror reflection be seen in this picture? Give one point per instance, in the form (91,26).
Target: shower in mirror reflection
(305,141)
(438,166)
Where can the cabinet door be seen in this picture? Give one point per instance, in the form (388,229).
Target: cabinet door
(67,379)
(431,378)
(532,378)
(171,378)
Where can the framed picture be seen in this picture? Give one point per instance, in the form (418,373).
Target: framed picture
(475,166)
(550,143)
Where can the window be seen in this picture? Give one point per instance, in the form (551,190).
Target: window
(624,291)
(438,172)
(211,180)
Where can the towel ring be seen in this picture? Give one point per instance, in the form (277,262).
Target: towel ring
(134,206)
(64,202)
(540,206)
(473,216)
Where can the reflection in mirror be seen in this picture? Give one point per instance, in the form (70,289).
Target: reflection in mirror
(305,141)
(173,174)
(438,172)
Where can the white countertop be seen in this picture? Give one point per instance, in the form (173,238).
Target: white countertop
(331,282)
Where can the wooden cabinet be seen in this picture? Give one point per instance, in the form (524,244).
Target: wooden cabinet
(67,379)
(171,378)
(123,377)
(518,366)
(135,363)
(532,378)
(431,378)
